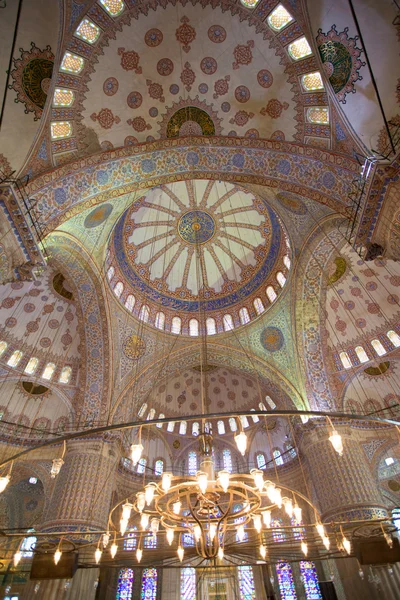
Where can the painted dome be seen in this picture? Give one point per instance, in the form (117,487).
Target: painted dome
(192,240)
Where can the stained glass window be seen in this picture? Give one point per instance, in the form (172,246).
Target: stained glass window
(149,584)
(255,418)
(65,375)
(141,466)
(261,461)
(160,416)
(361,354)
(110,273)
(15,358)
(221,427)
(144,313)
(28,545)
(237,508)
(286,262)
(299,49)
(310,580)
(176,325)
(113,7)
(271,293)
(171,426)
(277,456)
(88,31)
(32,365)
(247,590)
(151,414)
(233,424)
(345,360)
(130,302)
(244,420)
(130,541)
(160,320)
(195,428)
(150,541)
(258,305)
(227,459)
(188,539)
(118,289)
(244,316)
(228,322)
(278,535)
(250,3)
(193,327)
(3,347)
(60,129)
(159,467)
(71,63)
(290,451)
(279,18)
(298,531)
(396,518)
(281,279)
(142,410)
(377,346)
(312,81)
(125,585)
(63,97)
(285,581)
(318,114)
(394,338)
(183,427)
(188,583)
(270,402)
(210,326)
(192,462)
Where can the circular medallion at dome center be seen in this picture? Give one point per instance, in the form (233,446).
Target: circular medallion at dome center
(196,227)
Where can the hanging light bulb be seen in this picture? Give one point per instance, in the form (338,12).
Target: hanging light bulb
(212,531)
(136,453)
(241,442)
(220,553)
(278,497)
(263,551)
(336,440)
(297,513)
(170,535)
(149,492)
(240,533)
(4,481)
(126,511)
(257,523)
(166,481)
(180,552)
(56,467)
(258,478)
(17,557)
(154,526)
(346,544)
(140,501)
(176,507)
(202,481)
(326,542)
(361,573)
(304,548)
(223,479)
(139,554)
(144,520)
(105,539)
(97,555)
(123,525)
(197,532)
(321,530)
(113,550)
(389,539)
(57,556)
(266,515)
(270,489)
(287,503)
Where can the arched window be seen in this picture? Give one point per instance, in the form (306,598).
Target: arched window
(113,7)
(394,338)
(159,467)
(299,49)
(345,360)
(193,327)
(377,346)
(290,451)
(15,358)
(310,580)
(142,410)
(277,457)
(371,407)
(262,406)
(60,129)
(270,402)
(130,541)
(271,294)
(130,302)
(118,289)
(286,584)
(227,459)
(28,545)
(195,428)
(150,541)
(183,427)
(244,316)
(3,347)
(144,313)
(279,18)
(210,326)
(281,279)
(318,115)
(354,407)
(141,466)
(32,365)
(278,534)
(149,585)
(160,320)
(188,583)
(110,273)
(151,415)
(261,460)
(49,371)
(160,416)
(176,325)
(228,323)
(245,421)
(188,540)
(125,584)
(247,588)
(299,533)
(312,81)
(255,418)
(66,373)
(286,262)
(258,305)
(171,426)
(233,424)
(192,462)
(221,427)
(361,354)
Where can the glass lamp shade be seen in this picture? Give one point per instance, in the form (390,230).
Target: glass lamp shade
(154,526)
(176,507)
(321,530)
(304,548)
(240,533)
(113,550)
(149,492)
(17,557)
(144,520)
(197,532)
(126,511)
(56,467)
(123,524)
(297,513)
(136,453)
(166,481)
(287,503)
(57,556)
(263,551)
(258,478)
(170,535)
(326,542)
(336,440)
(223,479)
(257,522)
(202,480)
(220,553)
(180,552)
(241,442)
(346,545)
(278,497)
(140,501)
(4,481)
(270,489)
(105,539)
(97,555)
(139,554)
(212,531)
(266,515)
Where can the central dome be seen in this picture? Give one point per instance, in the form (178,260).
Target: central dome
(193,246)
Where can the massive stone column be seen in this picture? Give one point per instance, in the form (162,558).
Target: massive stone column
(81,499)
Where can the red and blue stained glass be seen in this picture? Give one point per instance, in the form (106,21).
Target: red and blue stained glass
(285,581)
(310,580)
(149,585)
(125,585)
(247,589)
